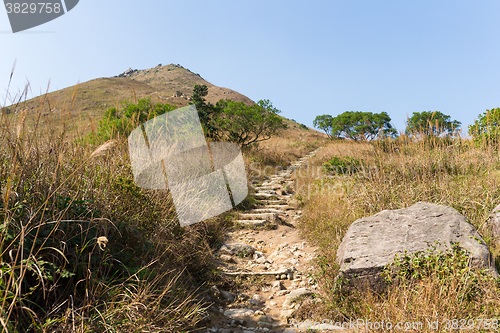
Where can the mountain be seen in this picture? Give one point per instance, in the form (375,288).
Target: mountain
(172,84)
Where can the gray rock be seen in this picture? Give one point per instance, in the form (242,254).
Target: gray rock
(372,242)
(228,296)
(253,302)
(296,294)
(214,292)
(286,314)
(237,249)
(266,319)
(493,223)
(226,258)
(259,298)
(239,313)
(277,285)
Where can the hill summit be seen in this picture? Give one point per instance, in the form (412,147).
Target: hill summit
(175,81)
(172,84)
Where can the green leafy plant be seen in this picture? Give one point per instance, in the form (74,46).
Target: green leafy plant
(447,268)
(342,165)
(118,123)
(486,129)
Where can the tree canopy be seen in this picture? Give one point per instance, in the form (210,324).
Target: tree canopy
(206,111)
(356,125)
(487,127)
(428,123)
(248,124)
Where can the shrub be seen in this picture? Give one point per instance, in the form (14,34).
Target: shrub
(486,129)
(118,123)
(343,165)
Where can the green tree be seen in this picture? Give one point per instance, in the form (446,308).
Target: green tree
(487,127)
(248,124)
(428,123)
(324,123)
(356,125)
(207,112)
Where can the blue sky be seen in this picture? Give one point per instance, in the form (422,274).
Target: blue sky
(308,58)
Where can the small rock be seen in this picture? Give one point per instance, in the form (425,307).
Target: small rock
(257,255)
(261,260)
(266,319)
(282,292)
(278,285)
(239,313)
(226,258)
(259,298)
(294,295)
(283,276)
(215,292)
(228,296)
(253,302)
(239,249)
(285,315)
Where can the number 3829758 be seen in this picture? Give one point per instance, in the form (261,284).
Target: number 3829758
(32,8)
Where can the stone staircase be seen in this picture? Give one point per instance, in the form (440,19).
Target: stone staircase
(276,255)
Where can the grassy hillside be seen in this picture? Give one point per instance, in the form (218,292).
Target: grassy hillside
(83,248)
(459,174)
(81,106)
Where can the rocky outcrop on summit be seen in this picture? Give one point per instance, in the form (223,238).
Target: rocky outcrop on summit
(372,242)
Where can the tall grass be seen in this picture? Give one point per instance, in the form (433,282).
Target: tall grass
(393,175)
(83,249)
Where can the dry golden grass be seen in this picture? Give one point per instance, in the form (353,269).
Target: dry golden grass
(83,248)
(462,175)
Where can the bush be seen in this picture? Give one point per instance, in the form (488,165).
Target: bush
(486,130)
(120,123)
(343,165)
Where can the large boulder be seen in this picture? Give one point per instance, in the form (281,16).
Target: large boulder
(372,242)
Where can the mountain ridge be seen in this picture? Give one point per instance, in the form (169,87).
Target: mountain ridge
(171,84)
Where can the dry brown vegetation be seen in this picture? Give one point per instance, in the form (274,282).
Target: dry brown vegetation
(81,106)
(396,175)
(86,250)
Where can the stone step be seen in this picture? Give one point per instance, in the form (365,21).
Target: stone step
(263,195)
(279,207)
(255,223)
(283,174)
(277,178)
(273,192)
(268,210)
(259,216)
(266,183)
(272,202)
(268,187)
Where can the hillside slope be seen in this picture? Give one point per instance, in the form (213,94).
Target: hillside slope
(82,105)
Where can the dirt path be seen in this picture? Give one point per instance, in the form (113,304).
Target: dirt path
(270,252)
